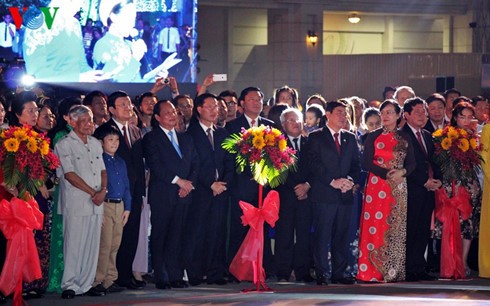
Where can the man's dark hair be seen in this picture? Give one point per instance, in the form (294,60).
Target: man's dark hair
(246,91)
(411,103)
(89,98)
(175,101)
(156,111)
(111,100)
(331,105)
(386,90)
(475,100)
(199,101)
(450,91)
(228,93)
(435,97)
(140,98)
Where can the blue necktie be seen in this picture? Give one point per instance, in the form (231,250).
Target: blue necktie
(174,143)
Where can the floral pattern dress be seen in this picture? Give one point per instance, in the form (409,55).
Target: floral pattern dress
(384,215)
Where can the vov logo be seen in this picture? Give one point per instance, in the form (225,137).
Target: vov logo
(47,16)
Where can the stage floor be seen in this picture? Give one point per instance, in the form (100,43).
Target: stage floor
(468,292)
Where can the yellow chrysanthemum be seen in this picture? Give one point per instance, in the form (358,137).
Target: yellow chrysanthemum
(3,134)
(44,148)
(437,133)
(11,145)
(31,144)
(464,145)
(20,134)
(473,143)
(276,132)
(463,132)
(270,139)
(452,133)
(258,142)
(446,143)
(34,133)
(282,145)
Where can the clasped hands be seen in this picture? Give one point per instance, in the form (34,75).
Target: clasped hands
(218,188)
(343,184)
(185,187)
(433,184)
(396,175)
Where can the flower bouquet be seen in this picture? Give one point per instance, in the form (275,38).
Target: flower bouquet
(456,153)
(26,161)
(265,150)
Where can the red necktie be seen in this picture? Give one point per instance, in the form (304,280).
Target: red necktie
(336,139)
(252,123)
(126,137)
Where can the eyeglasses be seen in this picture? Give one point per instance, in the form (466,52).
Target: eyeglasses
(124,105)
(231,103)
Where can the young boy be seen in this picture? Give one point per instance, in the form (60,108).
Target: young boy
(117,206)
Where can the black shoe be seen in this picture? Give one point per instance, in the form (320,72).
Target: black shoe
(344,281)
(32,294)
(195,282)
(306,279)
(148,278)
(114,288)
(132,285)
(426,277)
(163,285)
(321,281)
(95,292)
(219,281)
(179,284)
(412,277)
(68,294)
(137,283)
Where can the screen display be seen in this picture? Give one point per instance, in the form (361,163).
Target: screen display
(116,41)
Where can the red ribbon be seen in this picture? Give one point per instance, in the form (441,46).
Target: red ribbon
(448,211)
(18,219)
(247,263)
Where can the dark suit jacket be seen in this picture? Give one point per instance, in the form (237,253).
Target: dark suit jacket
(420,175)
(210,160)
(325,165)
(134,160)
(244,187)
(165,164)
(300,175)
(430,128)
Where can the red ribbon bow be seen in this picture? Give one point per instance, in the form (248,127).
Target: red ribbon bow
(448,211)
(18,219)
(246,264)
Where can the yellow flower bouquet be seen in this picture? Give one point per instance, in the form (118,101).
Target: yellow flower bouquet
(265,149)
(26,159)
(456,153)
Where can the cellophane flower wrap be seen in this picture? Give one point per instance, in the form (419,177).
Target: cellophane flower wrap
(26,159)
(266,151)
(457,154)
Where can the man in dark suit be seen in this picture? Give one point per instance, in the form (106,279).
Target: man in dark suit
(244,188)
(436,107)
(292,247)
(131,150)
(334,169)
(204,251)
(421,184)
(174,168)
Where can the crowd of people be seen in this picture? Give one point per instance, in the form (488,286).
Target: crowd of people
(364,203)
(121,46)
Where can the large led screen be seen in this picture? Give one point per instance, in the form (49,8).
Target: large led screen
(117,41)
